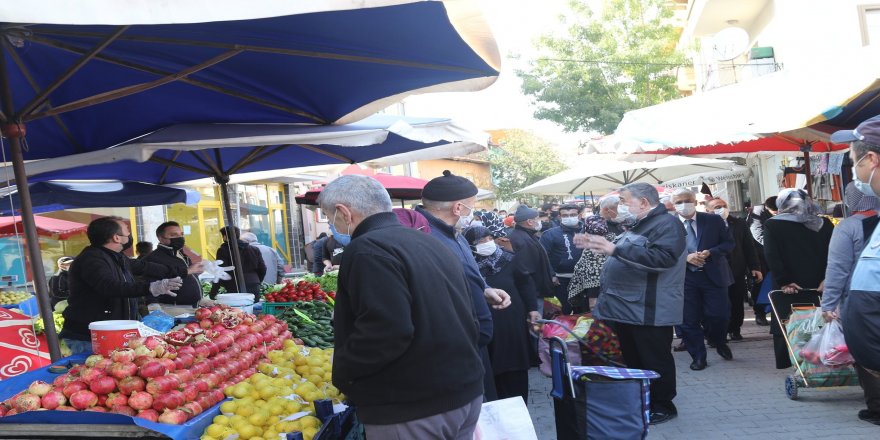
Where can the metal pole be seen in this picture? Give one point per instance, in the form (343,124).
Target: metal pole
(232,242)
(807,167)
(13,132)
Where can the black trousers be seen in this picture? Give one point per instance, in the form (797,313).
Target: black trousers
(561,293)
(871,385)
(650,348)
(737,294)
(513,384)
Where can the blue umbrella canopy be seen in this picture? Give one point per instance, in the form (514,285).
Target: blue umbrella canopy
(57,195)
(192,151)
(79,86)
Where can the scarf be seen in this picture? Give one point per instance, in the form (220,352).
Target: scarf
(494,224)
(492,264)
(796,206)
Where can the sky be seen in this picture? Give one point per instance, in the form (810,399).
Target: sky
(516,24)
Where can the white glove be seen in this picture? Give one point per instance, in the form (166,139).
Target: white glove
(213,272)
(165,287)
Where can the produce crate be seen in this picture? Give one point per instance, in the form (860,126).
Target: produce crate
(275,308)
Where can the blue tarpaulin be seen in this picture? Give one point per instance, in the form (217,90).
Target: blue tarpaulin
(325,67)
(55,196)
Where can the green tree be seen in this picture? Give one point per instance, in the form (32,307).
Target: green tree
(619,59)
(521,159)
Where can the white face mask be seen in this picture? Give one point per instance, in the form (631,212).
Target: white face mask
(685,209)
(569,221)
(538,225)
(486,249)
(623,214)
(723,212)
(465,220)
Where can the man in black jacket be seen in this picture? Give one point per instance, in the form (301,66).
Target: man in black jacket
(169,253)
(406,333)
(743,262)
(252,265)
(526,246)
(561,251)
(102,286)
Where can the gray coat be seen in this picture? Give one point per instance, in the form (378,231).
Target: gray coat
(642,282)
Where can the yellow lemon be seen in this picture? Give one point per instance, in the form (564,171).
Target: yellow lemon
(215,430)
(310,422)
(244,411)
(228,407)
(258,419)
(309,433)
(221,420)
(292,406)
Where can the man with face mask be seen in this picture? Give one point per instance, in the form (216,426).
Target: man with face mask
(641,289)
(102,286)
(252,263)
(743,262)
(608,211)
(706,304)
(861,310)
(448,205)
(527,247)
(406,351)
(169,253)
(561,251)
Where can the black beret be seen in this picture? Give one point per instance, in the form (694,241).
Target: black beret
(449,188)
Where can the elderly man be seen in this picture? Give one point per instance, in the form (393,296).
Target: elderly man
(524,240)
(447,204)
(169,253)
(102,286)
(274,262)
(641,293)
(608,211)
(743,262)
(706,305)
(406,349)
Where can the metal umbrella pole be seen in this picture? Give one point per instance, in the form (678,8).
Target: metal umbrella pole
(231,240)
(14,131)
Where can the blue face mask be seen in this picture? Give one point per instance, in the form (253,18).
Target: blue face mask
(864,187)
(340,238)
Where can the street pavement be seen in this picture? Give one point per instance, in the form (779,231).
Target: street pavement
(739,399)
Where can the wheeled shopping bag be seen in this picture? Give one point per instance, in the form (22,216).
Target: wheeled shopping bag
(598,402)
(799,316)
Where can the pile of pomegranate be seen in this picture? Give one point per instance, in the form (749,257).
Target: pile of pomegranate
(166,379)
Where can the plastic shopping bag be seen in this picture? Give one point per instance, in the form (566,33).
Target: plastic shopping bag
(833,351)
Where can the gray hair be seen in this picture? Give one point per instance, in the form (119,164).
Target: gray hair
(248,237)
(609,202)
(434,205)
(861,148)
(684,192)
(362,194)
(643,190)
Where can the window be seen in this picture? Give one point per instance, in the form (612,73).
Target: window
(869,20)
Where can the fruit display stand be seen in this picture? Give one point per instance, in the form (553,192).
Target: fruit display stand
(168,386)
(87,424)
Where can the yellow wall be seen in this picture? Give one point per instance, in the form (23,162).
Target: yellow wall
(478,173)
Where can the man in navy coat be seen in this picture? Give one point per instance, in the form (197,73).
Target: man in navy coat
(707,277)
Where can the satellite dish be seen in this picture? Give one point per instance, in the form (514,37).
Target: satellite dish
(729,43)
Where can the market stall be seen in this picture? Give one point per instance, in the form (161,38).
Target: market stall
(224,372)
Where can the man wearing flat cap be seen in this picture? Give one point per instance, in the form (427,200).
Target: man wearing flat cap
(525,243)
(448,204)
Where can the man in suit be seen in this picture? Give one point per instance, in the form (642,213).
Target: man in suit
(743,261)
(707,277)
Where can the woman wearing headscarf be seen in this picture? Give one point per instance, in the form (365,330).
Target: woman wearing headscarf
(585,281)
(847,242)
(509,351)
(796,244)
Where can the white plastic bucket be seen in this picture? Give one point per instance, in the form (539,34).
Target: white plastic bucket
(243,301)
(110,335)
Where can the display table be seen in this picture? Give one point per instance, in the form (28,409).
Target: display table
(88,424)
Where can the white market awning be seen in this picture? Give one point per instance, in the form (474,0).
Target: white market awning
(736,173)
